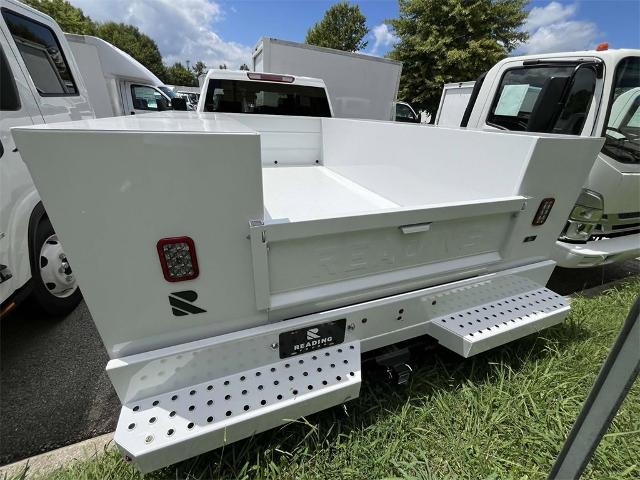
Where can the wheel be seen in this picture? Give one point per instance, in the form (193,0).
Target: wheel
(55,289)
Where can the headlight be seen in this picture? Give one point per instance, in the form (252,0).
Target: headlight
(584,217)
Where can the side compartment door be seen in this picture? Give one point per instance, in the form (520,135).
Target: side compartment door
(17,191)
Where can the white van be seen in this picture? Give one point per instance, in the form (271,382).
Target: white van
(41,83)
(117,83)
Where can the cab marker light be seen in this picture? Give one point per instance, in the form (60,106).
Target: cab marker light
(543,211)
(270,77)
(178,258)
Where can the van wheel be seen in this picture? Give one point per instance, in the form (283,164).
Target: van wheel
(55,289)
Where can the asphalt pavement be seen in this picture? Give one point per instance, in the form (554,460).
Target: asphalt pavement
(54,390)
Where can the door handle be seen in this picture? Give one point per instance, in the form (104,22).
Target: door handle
(1,149)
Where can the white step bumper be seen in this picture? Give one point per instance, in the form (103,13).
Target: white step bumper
(468,317)
(164,429)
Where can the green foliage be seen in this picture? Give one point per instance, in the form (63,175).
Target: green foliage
(343,27)
(442,41)
(199,68)
(244,66)
(70,18)
(178,74)
(131,40)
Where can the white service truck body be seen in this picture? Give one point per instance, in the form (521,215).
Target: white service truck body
(40,83)
(236,289)
(604,227)
(117,83)
(359,85)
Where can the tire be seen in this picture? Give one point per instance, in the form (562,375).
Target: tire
(54,289)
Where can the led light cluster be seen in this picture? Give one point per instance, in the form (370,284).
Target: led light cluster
(178,258)
(543,211)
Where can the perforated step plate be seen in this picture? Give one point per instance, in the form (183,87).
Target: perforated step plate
(164,429)
(521,308)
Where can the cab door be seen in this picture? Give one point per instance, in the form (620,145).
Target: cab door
(18,195)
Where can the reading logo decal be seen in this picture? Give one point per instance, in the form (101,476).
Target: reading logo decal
(182,303)
(312,334)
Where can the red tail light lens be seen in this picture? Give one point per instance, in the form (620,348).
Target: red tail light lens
(270,77)
(178,258)
(543,211)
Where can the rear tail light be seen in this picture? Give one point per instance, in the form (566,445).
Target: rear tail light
(543,211)
(270,77)
(178,258)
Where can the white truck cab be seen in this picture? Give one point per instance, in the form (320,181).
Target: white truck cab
(41,83)
(588,93)
(117,83)
(241,91)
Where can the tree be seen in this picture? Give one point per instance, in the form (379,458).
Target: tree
(343,27)
(442,41)
(244,66)
(178,74)
(222,66)
(199,68)
(135,43)
(71,19)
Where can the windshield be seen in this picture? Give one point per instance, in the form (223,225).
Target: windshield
(622,133)
(266,98)
(167,91)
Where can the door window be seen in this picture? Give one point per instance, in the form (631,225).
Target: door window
(622,133)
(148,98)
(518,92)
(9,99)
(404,113)
(42,54)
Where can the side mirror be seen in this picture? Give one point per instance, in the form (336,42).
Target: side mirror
(179,103)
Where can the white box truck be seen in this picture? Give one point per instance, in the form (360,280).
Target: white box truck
(359,85)
(117,83)
(238,266)
(593,93)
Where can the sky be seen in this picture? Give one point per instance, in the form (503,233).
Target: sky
(225,31)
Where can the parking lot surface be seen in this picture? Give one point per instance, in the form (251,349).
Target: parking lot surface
(54,390)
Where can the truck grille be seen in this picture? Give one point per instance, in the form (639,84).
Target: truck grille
(616,225)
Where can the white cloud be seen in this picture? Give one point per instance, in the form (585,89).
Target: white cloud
(383,38)
(183,29)
(553,28)
(551,13)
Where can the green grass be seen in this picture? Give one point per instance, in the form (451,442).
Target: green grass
(501,415)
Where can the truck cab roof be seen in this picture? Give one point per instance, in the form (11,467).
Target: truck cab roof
(246,75)
(605,55)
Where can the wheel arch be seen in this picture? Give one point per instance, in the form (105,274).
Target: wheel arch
(37,215)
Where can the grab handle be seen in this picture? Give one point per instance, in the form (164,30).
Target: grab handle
(416,228)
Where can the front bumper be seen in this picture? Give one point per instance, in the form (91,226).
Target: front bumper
(596,252)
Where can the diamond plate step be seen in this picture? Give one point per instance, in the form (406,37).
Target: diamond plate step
(164,429)
(475,329)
